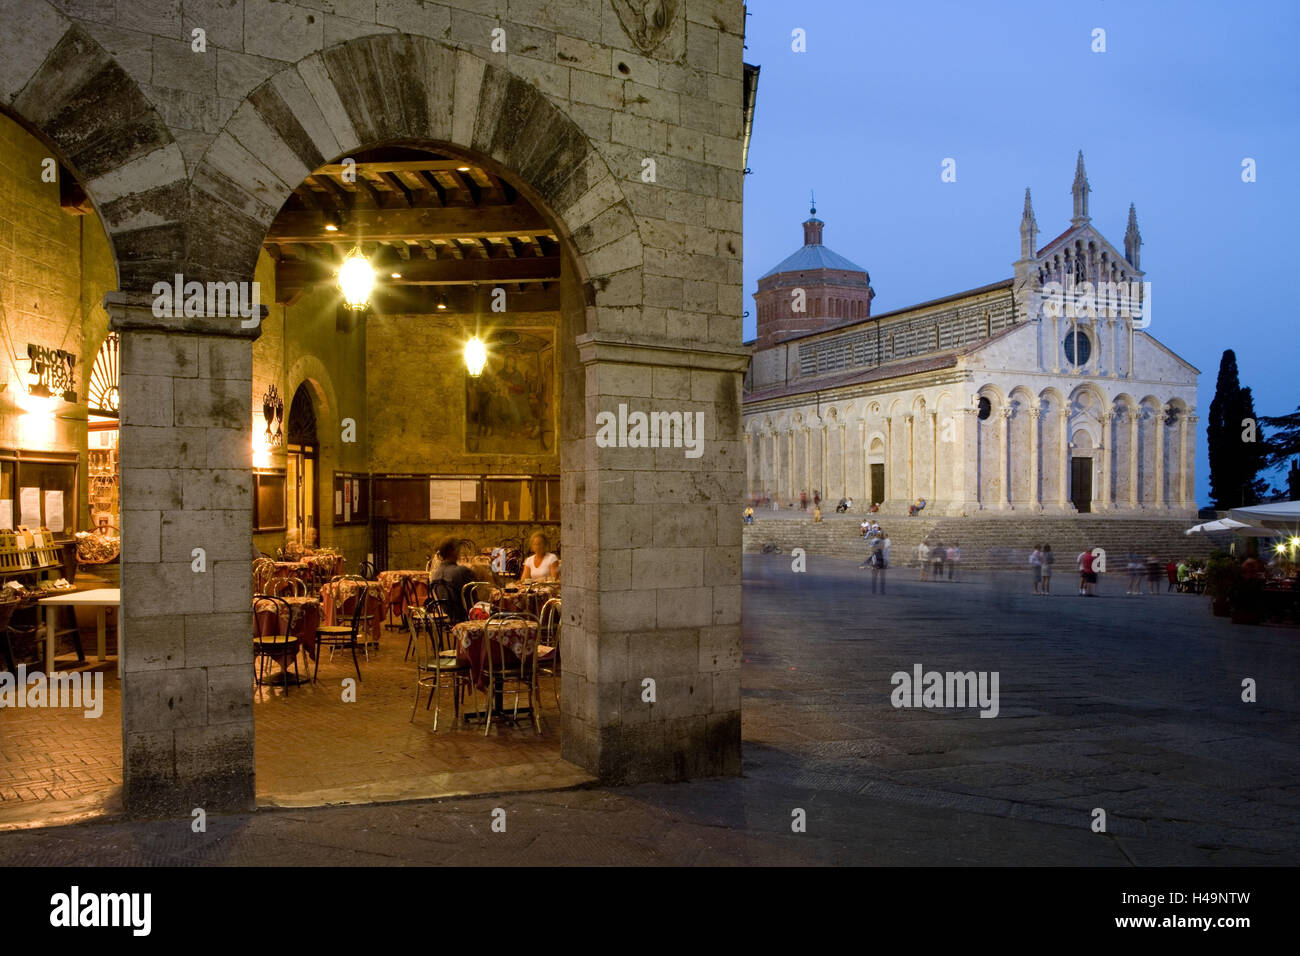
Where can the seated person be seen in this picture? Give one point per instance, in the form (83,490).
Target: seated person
(456,576)
(541,565)
(842,506)
(916,508)
(875,506)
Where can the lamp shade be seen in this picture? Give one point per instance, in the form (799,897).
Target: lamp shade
(356,280)
(475,356)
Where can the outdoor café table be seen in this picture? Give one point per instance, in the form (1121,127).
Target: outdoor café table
(390,586)
(334,599)
(306,619)
(526,597)
(514,639)
(100,598)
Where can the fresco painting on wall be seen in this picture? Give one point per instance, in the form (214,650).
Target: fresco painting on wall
(509,409)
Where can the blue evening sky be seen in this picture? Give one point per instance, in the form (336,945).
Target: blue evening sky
(1184,92)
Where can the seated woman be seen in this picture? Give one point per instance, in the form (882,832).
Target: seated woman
(917,508)
(541,565)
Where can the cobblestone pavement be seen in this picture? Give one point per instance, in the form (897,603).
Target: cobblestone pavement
(1127,704)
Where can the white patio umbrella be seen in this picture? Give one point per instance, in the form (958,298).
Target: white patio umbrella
(1228,524)
(1282,517)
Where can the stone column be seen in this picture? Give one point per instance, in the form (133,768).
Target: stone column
(1035,501)
(934,455)
(1114,353)
(1063,459)
(1106,419)
(186,616)
(790,441)
(807,462)
(866,464)
(911,458)
(1160,458)
(891,473)
(825,477)
(1187,474)
(965,468)
(1004,456)
(751,464)
(1056,344)
(844,461)
(1133,415)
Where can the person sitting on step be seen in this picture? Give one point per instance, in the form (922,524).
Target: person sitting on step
(914,510)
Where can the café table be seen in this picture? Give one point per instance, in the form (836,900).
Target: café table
(391,588)
(101,599)
(307,614)
(515,639)
(336,595)
(524,597)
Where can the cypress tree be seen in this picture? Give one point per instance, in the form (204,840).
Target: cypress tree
(1234,463)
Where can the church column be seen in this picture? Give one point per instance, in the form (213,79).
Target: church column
(965,467)
(1004,450)
(1106,419)
(750,467)
(1187,472)
(1056,342)
(911,458)
(1114,354)
(824,478)
(934,455)
(866,463)
(1160,457)
(1035,414)
(891,472)
(844,462)
(1133,458)
(1063,457)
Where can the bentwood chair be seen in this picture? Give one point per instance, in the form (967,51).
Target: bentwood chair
(551,620)
(268,641)
(473,592)
(263,570)
(435,658)
(367,570)
(281,586)
(414,594)
(345,635)
(519,674)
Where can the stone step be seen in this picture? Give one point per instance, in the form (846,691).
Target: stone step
(990,542)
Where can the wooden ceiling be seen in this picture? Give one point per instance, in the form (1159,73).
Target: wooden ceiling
(444,225)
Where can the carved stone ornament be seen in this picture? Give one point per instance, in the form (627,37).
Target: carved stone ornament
(647,22)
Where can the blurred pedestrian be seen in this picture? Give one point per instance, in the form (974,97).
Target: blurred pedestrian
(923,558)
(937,555)
(1036,568)
(954,556)
(1048,559)
(1155,571)
(1134,568)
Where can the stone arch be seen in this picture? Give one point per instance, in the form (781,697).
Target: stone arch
(60,84)
(990,465)
(394,87)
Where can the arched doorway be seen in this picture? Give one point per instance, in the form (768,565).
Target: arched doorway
(302,473)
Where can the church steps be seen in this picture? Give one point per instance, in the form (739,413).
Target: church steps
(990,542)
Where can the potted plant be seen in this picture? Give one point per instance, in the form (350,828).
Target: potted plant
(1222,577)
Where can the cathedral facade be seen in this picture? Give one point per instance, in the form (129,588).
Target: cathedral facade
(1040,394)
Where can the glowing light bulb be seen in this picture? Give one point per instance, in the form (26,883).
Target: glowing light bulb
(356,280)
(475,356)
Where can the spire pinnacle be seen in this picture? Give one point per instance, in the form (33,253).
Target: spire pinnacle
(1132,238)
(1028,229)
(812,202)
(1080,190)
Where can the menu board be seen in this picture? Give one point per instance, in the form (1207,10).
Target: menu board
(29,507)
(444,500)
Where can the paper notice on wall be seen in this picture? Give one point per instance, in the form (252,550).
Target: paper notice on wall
(54,511)
(338,504)
(29,507)
(356,493)
(444,500)
(6,515)
(347,510)
(469,491)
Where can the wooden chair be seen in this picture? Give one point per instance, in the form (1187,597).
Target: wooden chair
(345,635)
(268,642)
(551,621)
(521,674)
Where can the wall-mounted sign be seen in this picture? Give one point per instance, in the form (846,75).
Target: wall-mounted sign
(53,371)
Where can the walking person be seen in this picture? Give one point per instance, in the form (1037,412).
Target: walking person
(1089,574)
(1134,568)
(1084,555)
(803,501)
(1171,569)
(1155,571)
(937,556)
(1048,559)
(923,558)
(954,555)
(1036,568)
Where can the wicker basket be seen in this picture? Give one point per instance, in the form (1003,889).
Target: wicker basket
(94,547)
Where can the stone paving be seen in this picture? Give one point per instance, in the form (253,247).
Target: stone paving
(1128,704)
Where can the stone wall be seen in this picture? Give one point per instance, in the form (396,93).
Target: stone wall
(188,155)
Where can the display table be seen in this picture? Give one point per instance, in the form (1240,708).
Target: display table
(100,598)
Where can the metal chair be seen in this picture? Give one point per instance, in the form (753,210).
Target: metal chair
(345,635)
(551,620)
(469,594)
(522,673)
(268,642)
(367,570)
(435,658)
(414,595)
(263,571)
(279,584)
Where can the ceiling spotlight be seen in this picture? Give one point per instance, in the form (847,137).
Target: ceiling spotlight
(442,303)
(332,222)
(462,169)
(395,275)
